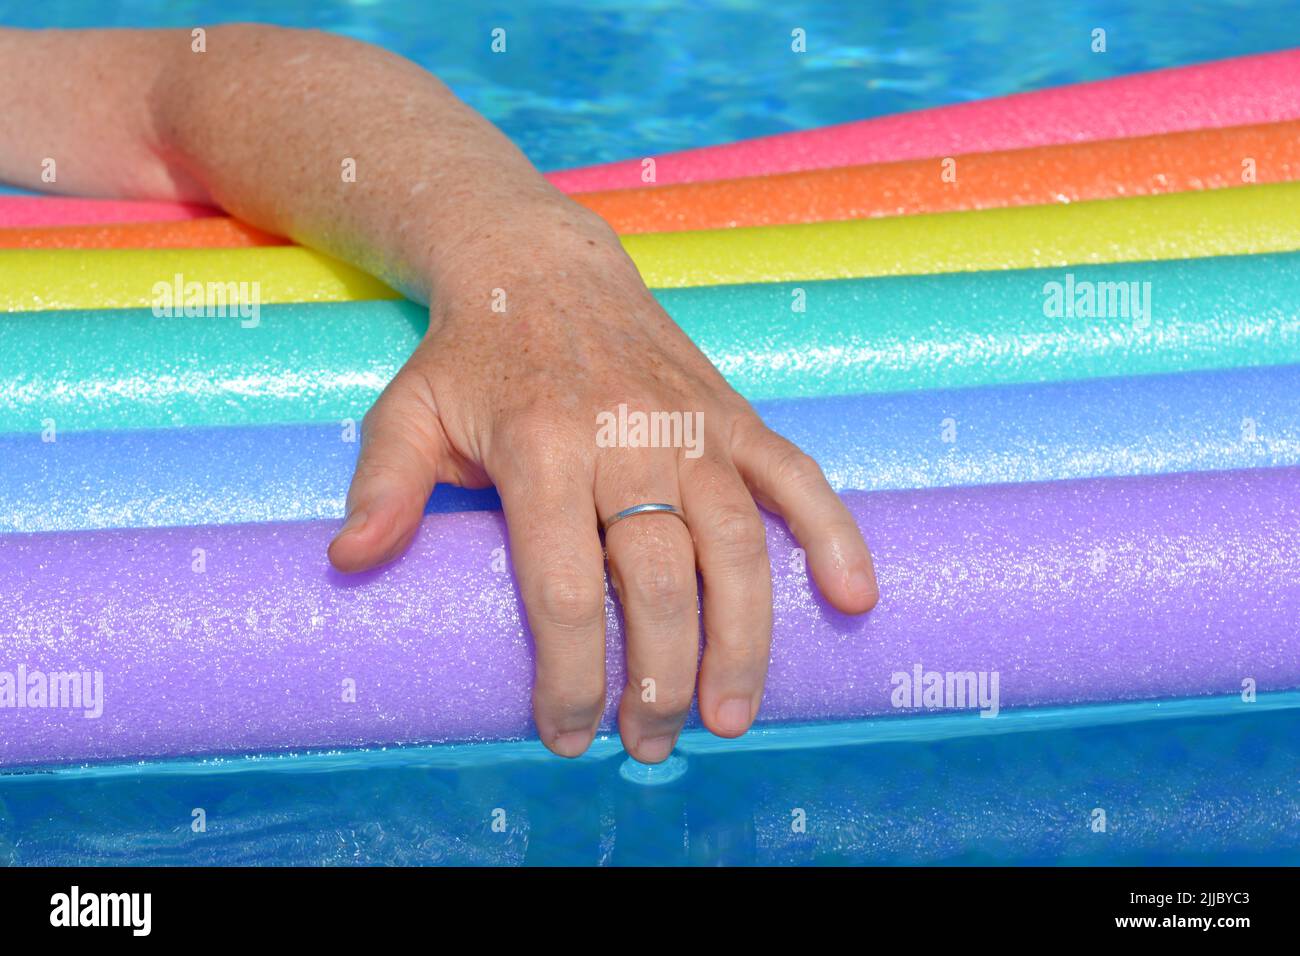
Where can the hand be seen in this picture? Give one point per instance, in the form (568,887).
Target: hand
(512,398)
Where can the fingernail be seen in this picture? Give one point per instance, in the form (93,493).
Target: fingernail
(574,743)
(355,522)
(654,749)
(861,581)
(733,715)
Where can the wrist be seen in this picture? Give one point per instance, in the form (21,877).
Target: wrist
(520,242)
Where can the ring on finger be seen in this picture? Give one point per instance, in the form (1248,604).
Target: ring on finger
(653,507)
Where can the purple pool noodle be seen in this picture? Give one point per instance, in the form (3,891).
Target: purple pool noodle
(1073,591)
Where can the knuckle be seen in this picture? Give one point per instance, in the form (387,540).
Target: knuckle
(569,602)
(574,701)
(737,535)
(390,468)
(407,394)
(672,702)
(540,443)
(398,474)
(657,582)
(375,424)
(534,432)
(796,468)
(371,420)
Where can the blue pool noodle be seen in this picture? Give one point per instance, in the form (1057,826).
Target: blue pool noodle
(1195,421)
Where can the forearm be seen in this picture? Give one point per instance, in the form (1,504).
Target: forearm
(340,145)
(266,123)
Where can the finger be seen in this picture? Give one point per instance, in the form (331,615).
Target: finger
(652,565)
(555,549)
(731,549)
(401,444)
(785,480)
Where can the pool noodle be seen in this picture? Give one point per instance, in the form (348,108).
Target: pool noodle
(1254,219)
(41,211)
(207,232)
(1262,218)
(1234,92)
(1209,779)
(123,369)
(1153,424)
(39,279)
(1106,169)
(1080,591)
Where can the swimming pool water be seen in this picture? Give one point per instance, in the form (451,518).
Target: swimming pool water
(1218,788)
(590,82)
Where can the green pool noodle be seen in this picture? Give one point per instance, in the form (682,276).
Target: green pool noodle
(314,362)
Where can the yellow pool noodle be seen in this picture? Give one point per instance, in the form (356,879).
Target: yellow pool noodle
(1239,221)
(1245,220)
(42,279)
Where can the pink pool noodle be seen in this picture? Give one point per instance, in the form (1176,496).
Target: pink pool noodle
(1263,88)
(28,211)
(1075,591)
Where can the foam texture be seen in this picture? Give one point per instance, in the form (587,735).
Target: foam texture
(39,211)
(1106,169)
(209,232)
(36,279)
(328,362)
(1101,589)
(1196,421)
(1254,219)
(1208,790)
(1235,92)
(1260,218)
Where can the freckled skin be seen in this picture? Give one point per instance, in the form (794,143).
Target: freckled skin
(446,209)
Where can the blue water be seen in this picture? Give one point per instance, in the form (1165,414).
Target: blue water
(587,81)
(1208,781)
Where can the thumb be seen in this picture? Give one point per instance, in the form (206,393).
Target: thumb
(401,444)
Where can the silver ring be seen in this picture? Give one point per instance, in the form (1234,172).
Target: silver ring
(646,509)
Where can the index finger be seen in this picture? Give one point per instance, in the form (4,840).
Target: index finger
(558,562)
